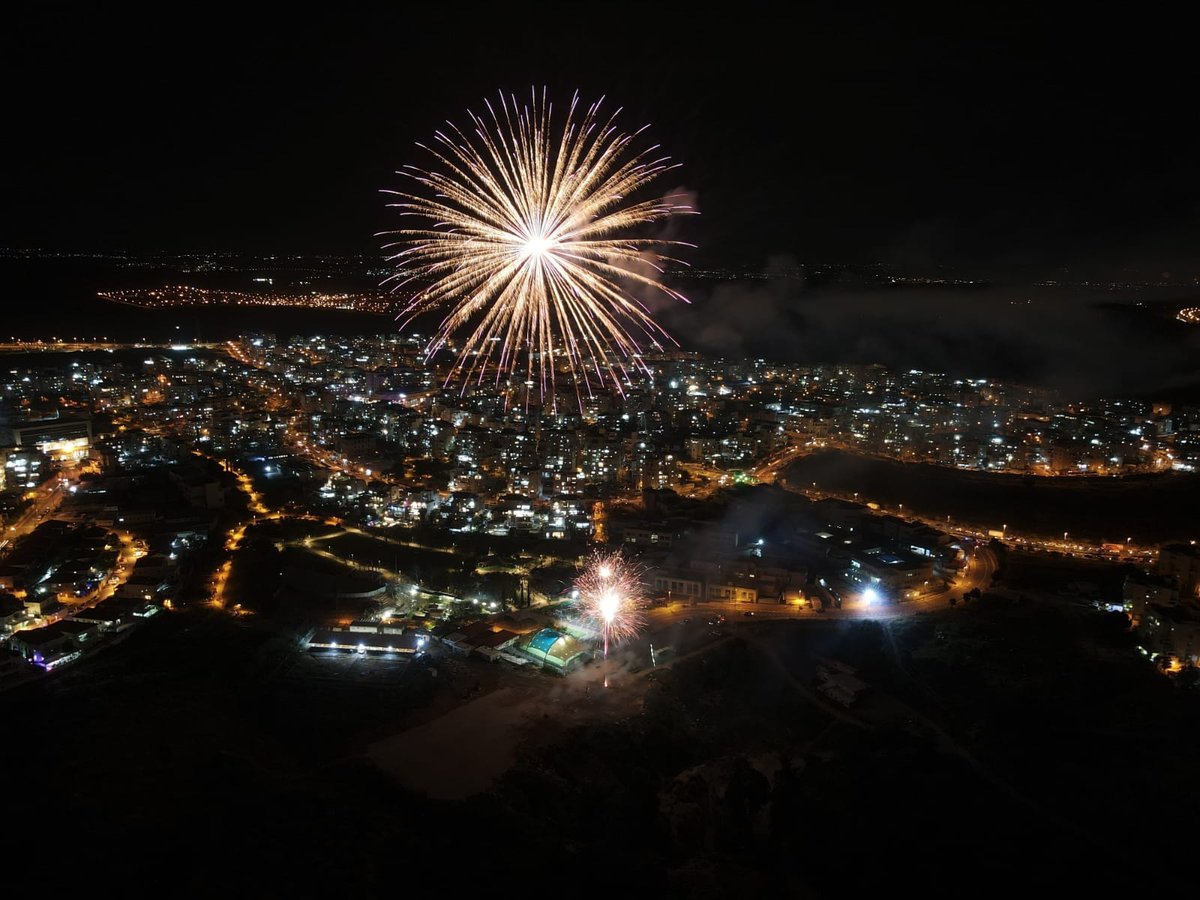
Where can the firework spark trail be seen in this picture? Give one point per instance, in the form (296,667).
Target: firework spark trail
(528,232)
(609,590)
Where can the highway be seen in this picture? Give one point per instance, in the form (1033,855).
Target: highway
(46,498)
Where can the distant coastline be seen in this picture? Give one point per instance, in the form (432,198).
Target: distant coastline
(190,297)
(1062,335)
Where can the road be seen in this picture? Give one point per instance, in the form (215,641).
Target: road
(46,498)
(770,470)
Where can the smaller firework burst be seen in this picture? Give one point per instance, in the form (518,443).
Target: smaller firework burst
(609,590)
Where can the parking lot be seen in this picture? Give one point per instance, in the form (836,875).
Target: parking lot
(348,668)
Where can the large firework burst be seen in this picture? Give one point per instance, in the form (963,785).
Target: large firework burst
(529,230)
(609,590)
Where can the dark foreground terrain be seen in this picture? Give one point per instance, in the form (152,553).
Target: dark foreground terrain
(1000,746)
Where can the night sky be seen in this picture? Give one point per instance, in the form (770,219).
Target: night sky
(998,139)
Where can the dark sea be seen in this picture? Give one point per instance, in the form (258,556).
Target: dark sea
(46,298)
(1087,341)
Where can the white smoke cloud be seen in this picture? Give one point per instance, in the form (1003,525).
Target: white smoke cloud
(1082,342)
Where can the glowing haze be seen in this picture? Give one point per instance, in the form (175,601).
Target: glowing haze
(609,591)
(529,236)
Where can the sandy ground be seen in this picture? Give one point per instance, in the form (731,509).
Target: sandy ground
(461,752)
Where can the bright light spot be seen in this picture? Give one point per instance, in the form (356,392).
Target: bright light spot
(608,605)
(536,246)
(870,596)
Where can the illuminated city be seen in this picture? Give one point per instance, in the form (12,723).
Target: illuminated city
(381,303)
(739,456)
